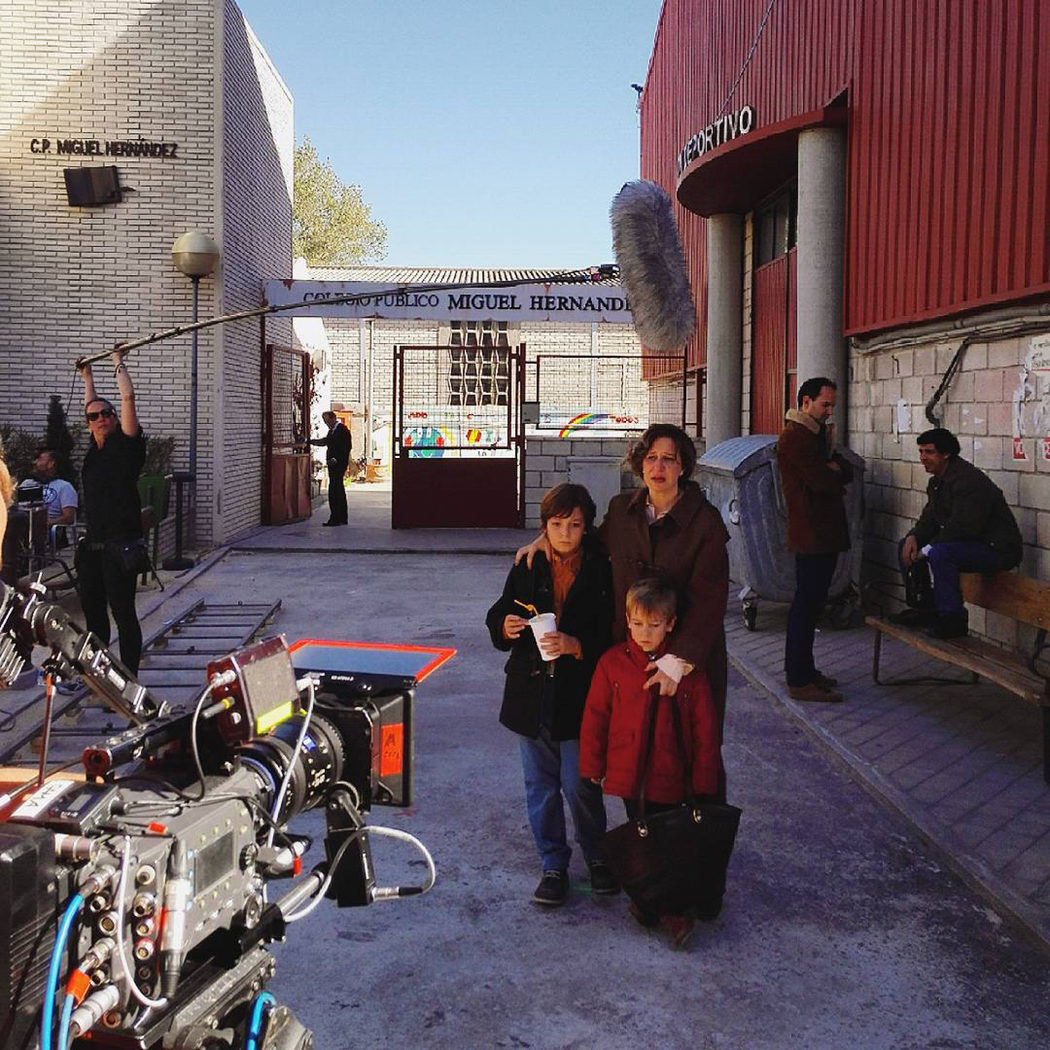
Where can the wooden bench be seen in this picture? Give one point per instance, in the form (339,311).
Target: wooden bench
(1018,597)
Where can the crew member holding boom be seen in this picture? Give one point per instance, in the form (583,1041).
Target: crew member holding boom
(111,555)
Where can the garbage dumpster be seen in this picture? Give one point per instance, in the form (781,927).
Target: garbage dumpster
(741,479)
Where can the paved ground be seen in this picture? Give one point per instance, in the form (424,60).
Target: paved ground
(845,924)
(963,763)
(840,928)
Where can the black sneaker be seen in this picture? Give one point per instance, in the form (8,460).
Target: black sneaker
(912,617)
(553,888)
(949,625)
(603,881)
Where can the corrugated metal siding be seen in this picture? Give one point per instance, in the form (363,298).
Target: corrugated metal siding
(949,168)
(949,138)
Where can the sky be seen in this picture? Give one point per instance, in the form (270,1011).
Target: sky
(483,133)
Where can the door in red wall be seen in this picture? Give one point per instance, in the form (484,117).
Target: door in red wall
(774,353)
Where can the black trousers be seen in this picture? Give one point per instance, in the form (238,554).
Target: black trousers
(813,575)
(336,493)
(106,586)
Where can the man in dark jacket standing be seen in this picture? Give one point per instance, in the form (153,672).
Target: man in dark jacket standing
(338,441)
(966,526)
(814,480)
(109,557)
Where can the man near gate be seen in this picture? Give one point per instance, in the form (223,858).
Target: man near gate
(965,526)
(814,481)
(338,443)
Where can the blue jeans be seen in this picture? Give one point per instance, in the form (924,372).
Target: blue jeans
(813,575)
(552,769)
(947,560)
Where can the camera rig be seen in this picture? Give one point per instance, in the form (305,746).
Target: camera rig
(134,904)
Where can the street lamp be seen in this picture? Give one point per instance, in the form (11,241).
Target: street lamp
(195,255)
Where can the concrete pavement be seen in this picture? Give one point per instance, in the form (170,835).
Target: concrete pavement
(845,923)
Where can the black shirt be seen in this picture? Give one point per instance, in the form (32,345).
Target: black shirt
(110,483)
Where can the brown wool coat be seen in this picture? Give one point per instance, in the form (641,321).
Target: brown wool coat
(813,492)
(691,552)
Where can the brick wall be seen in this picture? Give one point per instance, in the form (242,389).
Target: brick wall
(257,158)
(77,280)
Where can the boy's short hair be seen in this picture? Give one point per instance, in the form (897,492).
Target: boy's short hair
(653,594)
(563,499)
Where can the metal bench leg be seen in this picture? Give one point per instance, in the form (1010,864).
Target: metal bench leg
(875,658)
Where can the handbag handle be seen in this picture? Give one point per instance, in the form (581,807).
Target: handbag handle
(680,738)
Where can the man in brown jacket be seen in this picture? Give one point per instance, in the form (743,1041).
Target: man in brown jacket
(814,480)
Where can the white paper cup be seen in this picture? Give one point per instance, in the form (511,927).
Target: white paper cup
(541,624)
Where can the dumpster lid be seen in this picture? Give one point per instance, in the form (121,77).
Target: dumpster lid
(740,455)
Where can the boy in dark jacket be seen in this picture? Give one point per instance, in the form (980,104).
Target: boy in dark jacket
(620,708)
(545,691)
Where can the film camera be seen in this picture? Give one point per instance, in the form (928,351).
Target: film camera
(134,908)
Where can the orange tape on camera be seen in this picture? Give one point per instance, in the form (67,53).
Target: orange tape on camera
(392,750)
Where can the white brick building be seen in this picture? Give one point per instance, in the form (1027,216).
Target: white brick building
(181,98)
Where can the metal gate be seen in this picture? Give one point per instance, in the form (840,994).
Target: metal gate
(286,423)
(458,439)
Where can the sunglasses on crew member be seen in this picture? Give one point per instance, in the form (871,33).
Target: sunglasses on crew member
(102,413)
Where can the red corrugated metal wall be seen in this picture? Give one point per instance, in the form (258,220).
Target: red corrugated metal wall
(949,137)
(949,168)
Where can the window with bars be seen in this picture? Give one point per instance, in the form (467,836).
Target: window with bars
(479,369)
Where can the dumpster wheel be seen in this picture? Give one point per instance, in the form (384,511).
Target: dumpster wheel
(750,611)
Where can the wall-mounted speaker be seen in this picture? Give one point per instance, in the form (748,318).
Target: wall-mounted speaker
(92,187)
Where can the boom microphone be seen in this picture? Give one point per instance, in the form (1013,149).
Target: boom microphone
(652,266)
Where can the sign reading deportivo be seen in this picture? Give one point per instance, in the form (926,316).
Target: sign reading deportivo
(718,132)
(577,302)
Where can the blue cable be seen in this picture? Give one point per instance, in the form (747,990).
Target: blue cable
(63,1024)
(47,1018)
(261,1000)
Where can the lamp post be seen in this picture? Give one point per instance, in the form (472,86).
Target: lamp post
(195,255)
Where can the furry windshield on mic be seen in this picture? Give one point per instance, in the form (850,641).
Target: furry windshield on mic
(652,266)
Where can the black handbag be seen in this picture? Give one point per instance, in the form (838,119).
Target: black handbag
(674,860)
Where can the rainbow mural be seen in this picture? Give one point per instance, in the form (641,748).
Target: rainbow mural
(584,419)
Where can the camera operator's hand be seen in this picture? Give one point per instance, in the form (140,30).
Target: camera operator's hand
(513,626)
(557,644)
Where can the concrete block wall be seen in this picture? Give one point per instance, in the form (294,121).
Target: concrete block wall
(1000,393)
(547,465)
(748,325)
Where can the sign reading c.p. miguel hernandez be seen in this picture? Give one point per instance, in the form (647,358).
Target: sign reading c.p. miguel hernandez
(82,147)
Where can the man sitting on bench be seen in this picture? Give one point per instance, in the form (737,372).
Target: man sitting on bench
(966,526)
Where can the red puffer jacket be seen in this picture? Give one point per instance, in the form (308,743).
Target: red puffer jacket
(616,724)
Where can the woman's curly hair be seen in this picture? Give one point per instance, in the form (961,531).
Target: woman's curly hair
(682,442)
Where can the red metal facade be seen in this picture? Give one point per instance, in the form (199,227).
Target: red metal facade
(948,184)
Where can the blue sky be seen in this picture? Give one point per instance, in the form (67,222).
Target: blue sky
(482,132)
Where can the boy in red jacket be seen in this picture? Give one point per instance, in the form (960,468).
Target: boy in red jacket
(616,720)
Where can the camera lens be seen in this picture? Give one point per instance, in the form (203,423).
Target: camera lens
(318,765)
